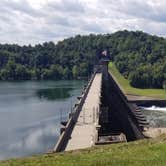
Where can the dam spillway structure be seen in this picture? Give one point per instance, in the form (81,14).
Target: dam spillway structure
(102,115)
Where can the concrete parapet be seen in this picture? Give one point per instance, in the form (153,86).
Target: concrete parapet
(65,135)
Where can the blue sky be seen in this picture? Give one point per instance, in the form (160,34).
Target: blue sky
(37,21)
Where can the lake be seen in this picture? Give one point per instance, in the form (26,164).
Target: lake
(30,114)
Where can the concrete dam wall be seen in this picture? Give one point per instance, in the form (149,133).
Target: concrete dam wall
(102,115)
(116,113)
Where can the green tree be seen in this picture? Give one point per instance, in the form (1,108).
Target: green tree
(164,85)
(75,71)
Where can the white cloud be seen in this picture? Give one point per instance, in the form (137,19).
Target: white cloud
(35,21)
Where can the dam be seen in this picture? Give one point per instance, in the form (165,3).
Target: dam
(102,115)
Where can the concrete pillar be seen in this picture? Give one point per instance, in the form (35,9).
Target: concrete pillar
(104,64)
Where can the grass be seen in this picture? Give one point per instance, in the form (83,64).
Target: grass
(126,87)
(139,153)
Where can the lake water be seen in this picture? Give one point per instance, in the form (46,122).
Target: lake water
(30,114)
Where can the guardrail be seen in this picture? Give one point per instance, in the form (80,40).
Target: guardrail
(97,117)
(65,135)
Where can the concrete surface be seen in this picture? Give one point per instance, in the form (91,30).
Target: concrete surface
(84,132)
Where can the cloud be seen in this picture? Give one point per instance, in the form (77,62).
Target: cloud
(22,7)
(29,21)
(69,6)
(151,9)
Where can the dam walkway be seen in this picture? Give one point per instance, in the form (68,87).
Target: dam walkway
(84,132)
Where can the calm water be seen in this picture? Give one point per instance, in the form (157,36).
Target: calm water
(30,114)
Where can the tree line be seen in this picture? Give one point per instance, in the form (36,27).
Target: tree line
(140,57)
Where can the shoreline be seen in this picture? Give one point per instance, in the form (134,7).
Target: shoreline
(153,132)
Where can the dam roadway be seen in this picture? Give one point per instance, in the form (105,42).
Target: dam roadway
(84,132)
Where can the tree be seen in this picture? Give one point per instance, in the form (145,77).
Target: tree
(164,85)
(75,71)
(4,74)
(67,73)
(21,73)
(139,57)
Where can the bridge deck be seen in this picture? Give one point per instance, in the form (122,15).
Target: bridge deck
(84,131)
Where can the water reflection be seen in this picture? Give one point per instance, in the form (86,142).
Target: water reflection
(54,93)
(34,139)
(29,125)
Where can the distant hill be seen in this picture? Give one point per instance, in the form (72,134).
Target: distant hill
(140,57)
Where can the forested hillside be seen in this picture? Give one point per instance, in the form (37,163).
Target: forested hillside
(139,57)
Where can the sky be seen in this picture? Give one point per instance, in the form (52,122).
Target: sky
(36,21)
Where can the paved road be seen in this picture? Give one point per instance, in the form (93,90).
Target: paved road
(84,132)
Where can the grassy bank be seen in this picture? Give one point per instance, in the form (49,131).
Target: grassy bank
(125,86)
(140,153)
